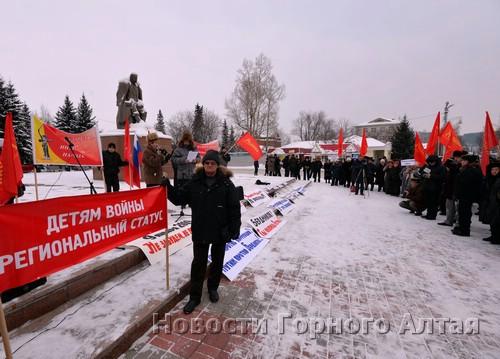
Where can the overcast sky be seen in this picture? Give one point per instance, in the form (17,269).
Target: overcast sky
(352,59)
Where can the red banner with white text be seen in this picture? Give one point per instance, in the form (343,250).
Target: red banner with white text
(43,237)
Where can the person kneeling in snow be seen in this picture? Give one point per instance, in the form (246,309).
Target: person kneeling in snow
(415,202)
(216,219)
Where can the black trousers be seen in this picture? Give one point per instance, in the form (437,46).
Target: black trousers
(432,203)
(199,268)
(464,215)
(112,183)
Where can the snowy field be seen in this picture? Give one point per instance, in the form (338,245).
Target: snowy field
(339,256)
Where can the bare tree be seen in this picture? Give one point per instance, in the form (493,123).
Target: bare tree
(346,126)
(254,103)
(284,136)
(183,121)
(314,126)
(44,114)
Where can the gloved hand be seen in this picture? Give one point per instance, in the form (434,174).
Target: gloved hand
(165,182)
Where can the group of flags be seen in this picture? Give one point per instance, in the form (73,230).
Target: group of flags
(451,142)
(11,173)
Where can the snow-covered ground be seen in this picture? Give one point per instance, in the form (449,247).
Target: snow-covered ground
(343,257)
(339,256)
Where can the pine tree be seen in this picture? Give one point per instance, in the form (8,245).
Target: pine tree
(198,124)
(66,116)
(403,140)
(84,119)
(160,123)
(225,134)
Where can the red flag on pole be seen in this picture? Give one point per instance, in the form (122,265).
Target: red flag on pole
(419,152)
(249,144)
(364,145)
(450,140)
(127,173)
(433,139)
(489,141)
(340,143)
(11,170)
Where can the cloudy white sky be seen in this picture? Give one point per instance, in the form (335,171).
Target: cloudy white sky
(353,59)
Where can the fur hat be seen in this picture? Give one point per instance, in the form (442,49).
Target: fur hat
(152,136)
(494,164)
(211,155)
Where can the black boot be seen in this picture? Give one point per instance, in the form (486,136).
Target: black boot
(460,232)
(190,306)
(213,295)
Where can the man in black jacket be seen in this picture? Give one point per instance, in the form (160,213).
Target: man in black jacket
(111,164)
(216,219)
(467,192)
(433,174)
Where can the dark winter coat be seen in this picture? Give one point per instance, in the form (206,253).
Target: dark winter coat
(433,185)
(111,164)
(337,170)
(216,213)
(328,170)
(450,179)
(379,174)
(286,163)
(491,207)
(293,164)
(393,180)
(316,166)
(468,184)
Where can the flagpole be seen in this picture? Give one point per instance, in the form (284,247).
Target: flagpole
(36,182)
(5,333)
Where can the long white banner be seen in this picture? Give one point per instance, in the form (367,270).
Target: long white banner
(266,224)
(153,245)
(239,252)
(257,198)
(283,205)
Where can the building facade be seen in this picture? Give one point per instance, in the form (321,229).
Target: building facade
(380,128)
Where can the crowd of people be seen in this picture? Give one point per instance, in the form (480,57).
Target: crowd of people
(449,189)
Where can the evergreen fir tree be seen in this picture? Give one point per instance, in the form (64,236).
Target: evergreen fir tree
(232,138)
(403,140)
(198,124)
(84,118)
(3,96)
(225,134)
(160,123)
(22,129)
(66,116)
(21,119)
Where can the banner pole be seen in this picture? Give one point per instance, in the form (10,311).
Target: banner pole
(167,253)
(5,333)
(36,182)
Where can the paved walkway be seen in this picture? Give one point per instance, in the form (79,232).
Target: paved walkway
(365,265)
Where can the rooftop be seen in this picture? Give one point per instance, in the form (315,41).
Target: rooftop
(379,121)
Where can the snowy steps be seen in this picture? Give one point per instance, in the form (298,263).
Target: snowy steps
(56,293)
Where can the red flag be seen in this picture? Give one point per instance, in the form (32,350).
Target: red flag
(433,139)
(419,152)
(202,148)
(249,144)
(450,140)
(364,145)
(126,155)
(340,143)
(489,141)
(11,170)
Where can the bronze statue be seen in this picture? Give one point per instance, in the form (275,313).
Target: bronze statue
(129,102)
